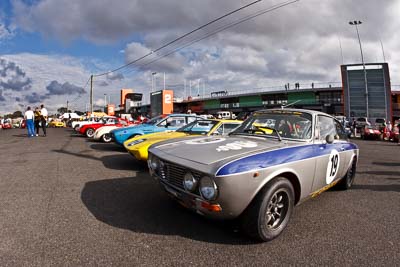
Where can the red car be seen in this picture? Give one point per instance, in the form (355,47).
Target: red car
(6,125)
(369,132)
(89,129)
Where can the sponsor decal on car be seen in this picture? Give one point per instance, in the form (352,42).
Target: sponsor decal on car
(237,145)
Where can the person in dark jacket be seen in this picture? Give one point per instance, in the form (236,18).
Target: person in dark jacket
(37,120)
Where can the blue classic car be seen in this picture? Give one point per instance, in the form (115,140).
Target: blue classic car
(161,123)
(275,160)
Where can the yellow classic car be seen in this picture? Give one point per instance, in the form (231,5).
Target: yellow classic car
(55,123)
(138,146)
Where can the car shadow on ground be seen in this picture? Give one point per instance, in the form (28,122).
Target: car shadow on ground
(140,205)
(115,161)
(20,135)
(108,147)
(378,187)
(387,164)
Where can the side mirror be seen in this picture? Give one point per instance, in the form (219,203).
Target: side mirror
(329,138)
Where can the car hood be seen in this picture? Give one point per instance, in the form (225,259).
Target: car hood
(139,127)
(209,150)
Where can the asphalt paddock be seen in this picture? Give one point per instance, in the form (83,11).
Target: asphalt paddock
(68,201)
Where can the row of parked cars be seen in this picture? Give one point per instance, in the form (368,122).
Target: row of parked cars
(254,171)
(379,129)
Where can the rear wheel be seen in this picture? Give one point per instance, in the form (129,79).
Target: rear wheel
(106,138)
(270,211)
(348,179)
(90,132)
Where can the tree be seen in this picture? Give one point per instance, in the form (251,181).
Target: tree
(62,110)
(17,114)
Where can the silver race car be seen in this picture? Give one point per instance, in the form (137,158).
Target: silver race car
(276,159)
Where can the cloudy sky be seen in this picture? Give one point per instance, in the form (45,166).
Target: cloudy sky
(49,48)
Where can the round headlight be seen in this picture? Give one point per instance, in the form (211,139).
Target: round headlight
(208,189)
(154,163)
(189,182)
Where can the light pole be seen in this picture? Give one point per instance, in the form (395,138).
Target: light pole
(105,102)
(152,81)
(355,23)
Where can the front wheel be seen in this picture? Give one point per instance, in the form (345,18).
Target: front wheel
(90,133)
(106,138)
(270,211)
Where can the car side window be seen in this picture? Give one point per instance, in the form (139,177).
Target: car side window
(229,127)
(162,123)
(340,130)
(326,126)
(191,119)
(176,121)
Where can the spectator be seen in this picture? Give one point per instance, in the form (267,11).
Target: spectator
(354,126)
(398,130)
(29,117)
(43,116)
(37,120)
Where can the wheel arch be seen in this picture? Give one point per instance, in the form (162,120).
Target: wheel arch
(291,176)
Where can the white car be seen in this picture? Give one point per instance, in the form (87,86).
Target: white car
(76,125)
(103,133)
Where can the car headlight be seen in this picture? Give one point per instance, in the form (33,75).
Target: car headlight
(208,189)
(154,163)
(189,182)
(136,142)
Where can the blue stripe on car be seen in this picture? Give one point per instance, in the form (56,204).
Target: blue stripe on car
(281,156)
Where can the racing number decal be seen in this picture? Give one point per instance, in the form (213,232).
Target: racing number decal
(333,166)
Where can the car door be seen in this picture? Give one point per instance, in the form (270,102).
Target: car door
(330,158)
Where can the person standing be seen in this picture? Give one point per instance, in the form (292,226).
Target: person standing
(29,117)
(37,120)
(43,116)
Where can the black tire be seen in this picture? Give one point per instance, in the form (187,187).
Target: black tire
(89,132)
(258,222)
(76,128)
(348,179)
(106,138)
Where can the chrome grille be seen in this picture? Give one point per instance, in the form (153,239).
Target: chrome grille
(173,174)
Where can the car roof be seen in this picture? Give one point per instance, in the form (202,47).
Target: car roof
(312,112)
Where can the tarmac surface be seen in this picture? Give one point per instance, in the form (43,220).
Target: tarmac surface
(65,200)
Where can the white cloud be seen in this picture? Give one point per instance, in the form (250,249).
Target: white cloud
(298,43)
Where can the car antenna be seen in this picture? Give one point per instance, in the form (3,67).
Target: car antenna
(288,105)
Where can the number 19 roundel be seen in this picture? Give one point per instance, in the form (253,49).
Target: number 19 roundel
(333,166)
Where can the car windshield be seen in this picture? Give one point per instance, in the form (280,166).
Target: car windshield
(277,124)
(198,127)
(155,120)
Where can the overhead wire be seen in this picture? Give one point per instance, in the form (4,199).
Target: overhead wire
(218,30)
(177,39)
